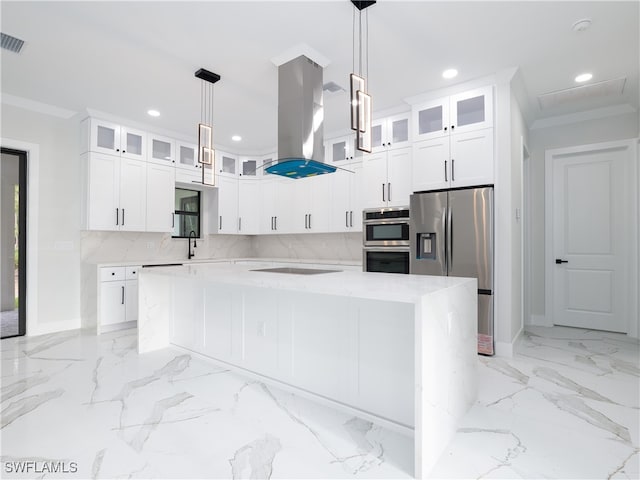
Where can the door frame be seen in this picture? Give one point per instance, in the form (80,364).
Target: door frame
(633,326)
(33,176)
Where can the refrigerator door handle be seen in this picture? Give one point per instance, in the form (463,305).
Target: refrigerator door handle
(445,265)
(450,239)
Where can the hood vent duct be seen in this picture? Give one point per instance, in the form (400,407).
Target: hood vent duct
(300,120)
(10,43)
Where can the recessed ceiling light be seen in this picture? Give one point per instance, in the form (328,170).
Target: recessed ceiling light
(581,25)
(236,138)
(450,73)
(583,77)
(153,113)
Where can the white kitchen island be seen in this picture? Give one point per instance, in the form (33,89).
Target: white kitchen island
(398,350)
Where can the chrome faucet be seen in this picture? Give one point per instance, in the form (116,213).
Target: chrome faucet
(192,254)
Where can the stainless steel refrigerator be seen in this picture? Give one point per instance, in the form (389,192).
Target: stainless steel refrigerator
(451,233)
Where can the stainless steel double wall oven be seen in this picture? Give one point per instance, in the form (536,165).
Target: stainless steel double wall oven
(385,234)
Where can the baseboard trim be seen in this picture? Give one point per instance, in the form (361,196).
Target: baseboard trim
(540,321)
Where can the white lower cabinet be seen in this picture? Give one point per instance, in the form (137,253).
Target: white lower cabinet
(227,204)
(118,293)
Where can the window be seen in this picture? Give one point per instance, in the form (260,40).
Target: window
(187,216)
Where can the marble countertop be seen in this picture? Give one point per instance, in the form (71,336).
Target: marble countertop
(309,261)
(348,282)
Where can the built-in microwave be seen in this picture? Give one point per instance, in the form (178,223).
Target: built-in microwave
(385,259)
(385,227)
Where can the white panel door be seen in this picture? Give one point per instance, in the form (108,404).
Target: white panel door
(249,207)
(160,198)
(472,158)
(590,238)
(227,204)
(133,195)
(112,303)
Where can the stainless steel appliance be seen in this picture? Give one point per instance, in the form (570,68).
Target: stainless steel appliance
(451,233)
(385,233)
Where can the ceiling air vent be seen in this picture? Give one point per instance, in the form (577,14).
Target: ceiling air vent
(10,43)
(332,87)
(593,90)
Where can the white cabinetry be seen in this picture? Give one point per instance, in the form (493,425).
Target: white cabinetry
(160,198)
(345,204)
(188,170)
(390,132)
(162,150)
(226,164)
(113,139)
(456,142)
(227,204)
(115,193)
(471,110)
(310,205)
(249,206)
(387,178)
(118,292)
(342,149)
(276,201)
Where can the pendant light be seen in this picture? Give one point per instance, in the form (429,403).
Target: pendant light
(206,153)
(360,99)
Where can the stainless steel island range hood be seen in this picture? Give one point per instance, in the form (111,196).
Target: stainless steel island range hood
(300,120)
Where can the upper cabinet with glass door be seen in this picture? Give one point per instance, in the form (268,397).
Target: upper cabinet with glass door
(391,132)
(464,112)
(162,150)
(226,164)
(249,166)
(113,139)
(342,149)
(188,170)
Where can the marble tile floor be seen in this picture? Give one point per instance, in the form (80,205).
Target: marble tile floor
(8,323)
(565,406)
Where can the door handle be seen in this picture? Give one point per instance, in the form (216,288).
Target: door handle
(559,261)
(239,224)
(123,217)
(309,221)
(389,191)
(453,170)
(450,234)
(220,228)
(275,222)
(383,192)
(351,217)
(346,218)
(122,301)
(173,220)
(117,217)
(445,171)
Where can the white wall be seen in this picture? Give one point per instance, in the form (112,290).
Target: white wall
(57,303)
(617,127)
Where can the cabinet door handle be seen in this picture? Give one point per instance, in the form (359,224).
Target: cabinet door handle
(173,220)
(445,171)
(389,191)
(239,224)
(309,221)
(346,218)
(275,222)
(122,301)
(351,217)
(123,217)
(220,228)
(117,217)
(453,170)
(383,192)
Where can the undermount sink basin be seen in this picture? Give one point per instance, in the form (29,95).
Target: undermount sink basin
(295,271)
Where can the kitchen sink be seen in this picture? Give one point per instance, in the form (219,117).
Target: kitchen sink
(295,271)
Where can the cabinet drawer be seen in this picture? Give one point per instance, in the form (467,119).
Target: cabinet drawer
(109,274)
(131,273)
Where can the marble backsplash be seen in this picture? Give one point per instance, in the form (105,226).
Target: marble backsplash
(108,247)
(310,246)
(111,247)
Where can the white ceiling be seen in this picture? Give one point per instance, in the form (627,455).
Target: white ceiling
(126,57)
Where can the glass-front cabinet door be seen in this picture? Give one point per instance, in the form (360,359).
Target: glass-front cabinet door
(249,166)
(431,119)
(161,150)
(226,164)
(390,132)
(472,110)
(132,143)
